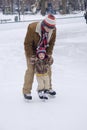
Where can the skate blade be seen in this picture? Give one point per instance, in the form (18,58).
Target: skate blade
(51,96)
(27,100)
(44,100)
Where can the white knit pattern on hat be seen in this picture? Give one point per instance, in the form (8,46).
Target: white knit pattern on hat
(50,21)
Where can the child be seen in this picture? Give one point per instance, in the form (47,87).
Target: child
(42,65)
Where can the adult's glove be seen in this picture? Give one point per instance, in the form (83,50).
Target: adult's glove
(50,59)
(32,60)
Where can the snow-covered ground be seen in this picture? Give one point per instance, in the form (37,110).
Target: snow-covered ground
(68,110)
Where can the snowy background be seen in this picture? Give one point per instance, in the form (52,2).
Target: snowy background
(68,110)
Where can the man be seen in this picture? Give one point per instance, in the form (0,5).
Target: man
(39,34)
(85,16)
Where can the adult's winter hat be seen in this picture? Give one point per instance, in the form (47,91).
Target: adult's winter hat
(41,50)
(49,21)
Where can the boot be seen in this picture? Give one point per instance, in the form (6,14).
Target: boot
(28,96)
(51,92)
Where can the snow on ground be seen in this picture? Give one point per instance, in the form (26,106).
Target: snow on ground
(38,16)
(68,111)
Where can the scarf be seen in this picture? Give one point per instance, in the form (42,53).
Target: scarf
(44,37)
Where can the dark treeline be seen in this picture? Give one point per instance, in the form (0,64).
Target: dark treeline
(44,6)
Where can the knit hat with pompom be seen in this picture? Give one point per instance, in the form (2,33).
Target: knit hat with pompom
(49,21)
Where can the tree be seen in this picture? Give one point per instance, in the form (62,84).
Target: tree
(64,6)
(43,4)
(85,4)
